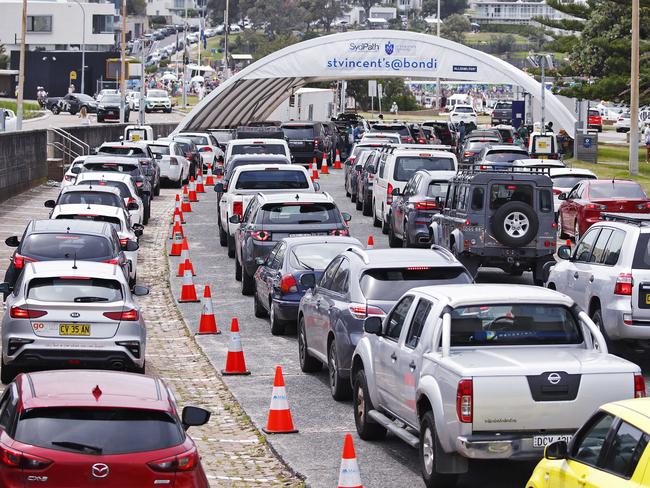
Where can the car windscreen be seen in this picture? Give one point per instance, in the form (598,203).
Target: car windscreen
(569,181)
(98,431)
(198,140)
(121,186)
(520,324)
(298,131)
(51,246)
(476,146)
(114,99)
(128,168)
(157,93)
(122,151)
(79,290)
(406,166)
(503,106)
(114,221)
(232,165)
(315,256)
(402,130)
(164,150)
(437,189)
(91,198)
(502,193)
(258,149)
(505,156)
(271,179)
(463,110)
(300,213)
(594,113)
(392,283)
(616,190)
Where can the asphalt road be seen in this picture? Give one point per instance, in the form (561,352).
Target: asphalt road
(67,120)
(315,451)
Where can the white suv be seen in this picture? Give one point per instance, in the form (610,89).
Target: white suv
(257,146)
(608,275)
(396,166)
(464,113)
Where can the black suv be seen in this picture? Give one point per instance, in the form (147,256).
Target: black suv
(498,217)
(308,140)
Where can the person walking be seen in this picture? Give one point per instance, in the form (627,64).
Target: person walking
(83,115)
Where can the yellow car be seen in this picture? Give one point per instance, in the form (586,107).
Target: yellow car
(609,451)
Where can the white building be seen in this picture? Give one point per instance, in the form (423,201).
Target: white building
(174,10)
(502,12)
(380,12)
(58,25)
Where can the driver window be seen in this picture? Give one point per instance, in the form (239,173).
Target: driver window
(477,198)
(279,256)
(397,318)
(586,246)
(328,275)
(7,408)
(590,442)
(271,256)
(340,280)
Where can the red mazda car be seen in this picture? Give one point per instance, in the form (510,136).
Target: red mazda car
(582,206)
(81,428)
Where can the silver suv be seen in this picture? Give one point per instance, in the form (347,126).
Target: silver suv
(608,275)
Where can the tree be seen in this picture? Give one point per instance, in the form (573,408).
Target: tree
(136,7)
(454,28)
(218,7)
(323,11)
(447,7)
(394,91)
(273,15)
(502,44)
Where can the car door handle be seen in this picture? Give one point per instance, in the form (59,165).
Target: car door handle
(575,275)
(393,357)
(412,365)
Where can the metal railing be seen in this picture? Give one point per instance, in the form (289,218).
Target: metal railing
(68,145)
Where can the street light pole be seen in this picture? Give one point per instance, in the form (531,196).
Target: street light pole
(83,48)
(634,93)
(21,71)
(543,97)
(438,79)
(226,28)
(123,63)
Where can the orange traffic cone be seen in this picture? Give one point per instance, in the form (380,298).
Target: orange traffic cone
(185,205)
(324,169)
(188,291)
(192,190)
(337,160)
(177,228)
(209,177)
(177,244)
(279,421)
(207,324)
(314,170)
(199,183)
(371,243)
(177,216)
(349,476)
(177,210)
(185,262)
(235,363)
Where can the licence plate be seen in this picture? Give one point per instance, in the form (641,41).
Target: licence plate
(309,234)
(545,440)
(541,156)
(647,299)
(74,329)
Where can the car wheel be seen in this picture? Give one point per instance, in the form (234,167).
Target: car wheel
(231,246)
(406,242)
(237,269)
(8,373)
(277,326)
(393,241)
(156,190)
(308,363)
(353,197)
(340,387)
(576,232)
(258,308)
(515,224)
(247,283)
(385,225)
(367,429)
(55,110)
(375,221)
(427,449)
(147,212)
(597,319)
(365,207)
(223,236)
(133,281)
(179,183)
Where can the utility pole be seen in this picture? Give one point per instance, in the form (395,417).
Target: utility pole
(438,79)
(141,104)
(123,63)
(185,54)
(21,71)
(226,28)
(634,93)
(83,48)
(543,98)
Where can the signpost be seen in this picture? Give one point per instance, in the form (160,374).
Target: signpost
(372,93)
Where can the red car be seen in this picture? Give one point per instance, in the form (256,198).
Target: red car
(582,206)
(594,120)
(81,428)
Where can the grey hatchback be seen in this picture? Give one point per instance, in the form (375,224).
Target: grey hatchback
(355,285)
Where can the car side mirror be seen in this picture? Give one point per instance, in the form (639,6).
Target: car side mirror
(358,167)
(308,280)
(76,170)
(131,246)
(132,206)
(140,291)
(556,450)
(218,171)
(218,187)
(259,260)
(395,192)
(564,252)
(5,288)
(49,204)
(12,241)
(138,229)
(316,186)
(194,416)
(373,325)
(346,216)
(562,196)
(235,219)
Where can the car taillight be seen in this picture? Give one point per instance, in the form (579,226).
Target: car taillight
(288,284)
(205,149)
(139,183)
(643,206)
(13,458)
(237,208)
(24,313)
(316,142)
(112,261)
(132,314)
(426,205)
(124,242)
(509,140)
(389,194)
(556,191)
(20,260)
(362,310)
(624,284)
(408,139)
(595,207)
(422,141)
(183,462)
(464,401)
(69,178)
(467,154)
(173,161)
(261,235)
(639,386)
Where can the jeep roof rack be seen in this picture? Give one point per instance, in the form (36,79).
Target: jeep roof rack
(635,219)
(473,168)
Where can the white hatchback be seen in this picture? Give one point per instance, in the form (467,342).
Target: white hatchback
(124,183)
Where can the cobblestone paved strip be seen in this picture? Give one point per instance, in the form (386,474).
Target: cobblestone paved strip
(233,452)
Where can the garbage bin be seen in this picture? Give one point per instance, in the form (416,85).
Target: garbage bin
(587,147)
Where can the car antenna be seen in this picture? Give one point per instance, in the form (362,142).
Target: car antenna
(74,264)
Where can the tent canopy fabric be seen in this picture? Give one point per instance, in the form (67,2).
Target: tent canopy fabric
(254,92)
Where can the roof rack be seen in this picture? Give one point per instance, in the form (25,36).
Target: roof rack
(635,219)
(361,253)
(425,147)
(501,168)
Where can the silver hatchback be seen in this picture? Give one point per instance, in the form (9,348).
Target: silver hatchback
(62,314)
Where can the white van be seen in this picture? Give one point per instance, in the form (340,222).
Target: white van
(456,99)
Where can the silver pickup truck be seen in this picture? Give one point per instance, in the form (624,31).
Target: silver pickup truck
(483,372)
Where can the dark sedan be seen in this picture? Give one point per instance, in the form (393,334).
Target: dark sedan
(279,283)
(109,108)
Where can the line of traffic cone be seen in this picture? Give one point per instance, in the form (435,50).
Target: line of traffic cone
(188,290)
(207,322)
(199,183)
(279,420)
(186,206)
(371,243)
(209,177)
(337,160)
(192,191)
(349,476)
(324,170)
(235,363)
(177,244)
(177,210)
